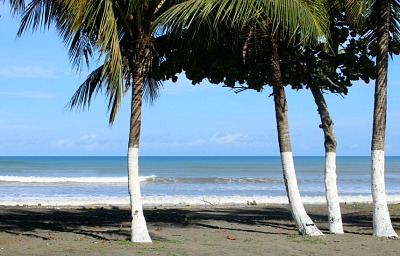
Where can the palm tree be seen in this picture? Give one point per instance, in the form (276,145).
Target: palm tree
(290,19)
(381,219)
(382,28)
(121,33)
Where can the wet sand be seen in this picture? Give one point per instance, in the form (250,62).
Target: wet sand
(207,230)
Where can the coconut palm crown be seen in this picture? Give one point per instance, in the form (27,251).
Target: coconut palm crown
(308,20)
(117,32)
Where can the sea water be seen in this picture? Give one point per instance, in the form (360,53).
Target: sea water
(182,180)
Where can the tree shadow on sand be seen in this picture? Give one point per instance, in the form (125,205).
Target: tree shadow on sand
(113,223)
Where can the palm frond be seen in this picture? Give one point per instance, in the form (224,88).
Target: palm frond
(44,13)
(89,88)
(151,90)
(95,28)
(94,84)
(335,7)
(395,20)
(17,6)
(114,93)
(370,29)
(81,47)
(108,42)
(358,11)
(99,27)
(39,14)
(307,18)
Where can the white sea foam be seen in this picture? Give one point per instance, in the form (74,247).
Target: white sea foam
(183,201)
(36,179)
(151,178)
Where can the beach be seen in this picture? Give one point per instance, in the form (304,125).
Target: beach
(193,206)
(189,230)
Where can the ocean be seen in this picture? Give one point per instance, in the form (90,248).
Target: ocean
(182,180)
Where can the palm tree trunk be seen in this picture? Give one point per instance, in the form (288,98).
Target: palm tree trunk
(303,222)
(381,219)
(139,232)
(332,197)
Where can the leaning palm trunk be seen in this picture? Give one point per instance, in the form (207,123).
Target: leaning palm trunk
(139,232)
(303,222)
(332,198)
(381,219)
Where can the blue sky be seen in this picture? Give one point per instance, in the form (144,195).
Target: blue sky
(37,81)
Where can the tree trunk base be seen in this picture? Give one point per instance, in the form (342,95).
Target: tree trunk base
(332,197)
(139,232)
(381,218)
(311,230)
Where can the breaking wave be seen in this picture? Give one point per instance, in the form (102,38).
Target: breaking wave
(38,179)
(145,179)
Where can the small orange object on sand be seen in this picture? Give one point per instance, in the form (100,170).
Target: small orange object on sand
(231,238)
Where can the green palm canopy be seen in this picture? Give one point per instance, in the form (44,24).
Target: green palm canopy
(306,20)
(109,30)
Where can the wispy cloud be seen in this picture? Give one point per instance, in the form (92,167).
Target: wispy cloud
(230,138)
(64,143)
(26,72)
(28,94)
(234,138)
(88,142)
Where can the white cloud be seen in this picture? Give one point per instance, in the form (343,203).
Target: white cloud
(229,138)
(64,143)
(28,94)
(27,72)
(88,137)
(88,142)
(235,138)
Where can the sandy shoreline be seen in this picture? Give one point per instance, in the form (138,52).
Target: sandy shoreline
(258,230)
(182,201)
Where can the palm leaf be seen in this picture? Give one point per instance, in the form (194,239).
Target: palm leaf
(395,20)
(358,11)
(39,14)
(151,90)
(370,29)
(309,19)
(98,26)
(89,88)
(17,6)
(94,84)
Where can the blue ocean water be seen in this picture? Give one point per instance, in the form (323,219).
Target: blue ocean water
(182,180)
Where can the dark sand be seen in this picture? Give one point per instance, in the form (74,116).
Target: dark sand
(258,230)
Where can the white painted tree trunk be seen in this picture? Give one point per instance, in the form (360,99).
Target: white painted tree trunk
(139,233)
(332,198)
(381,220)
(303,222)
